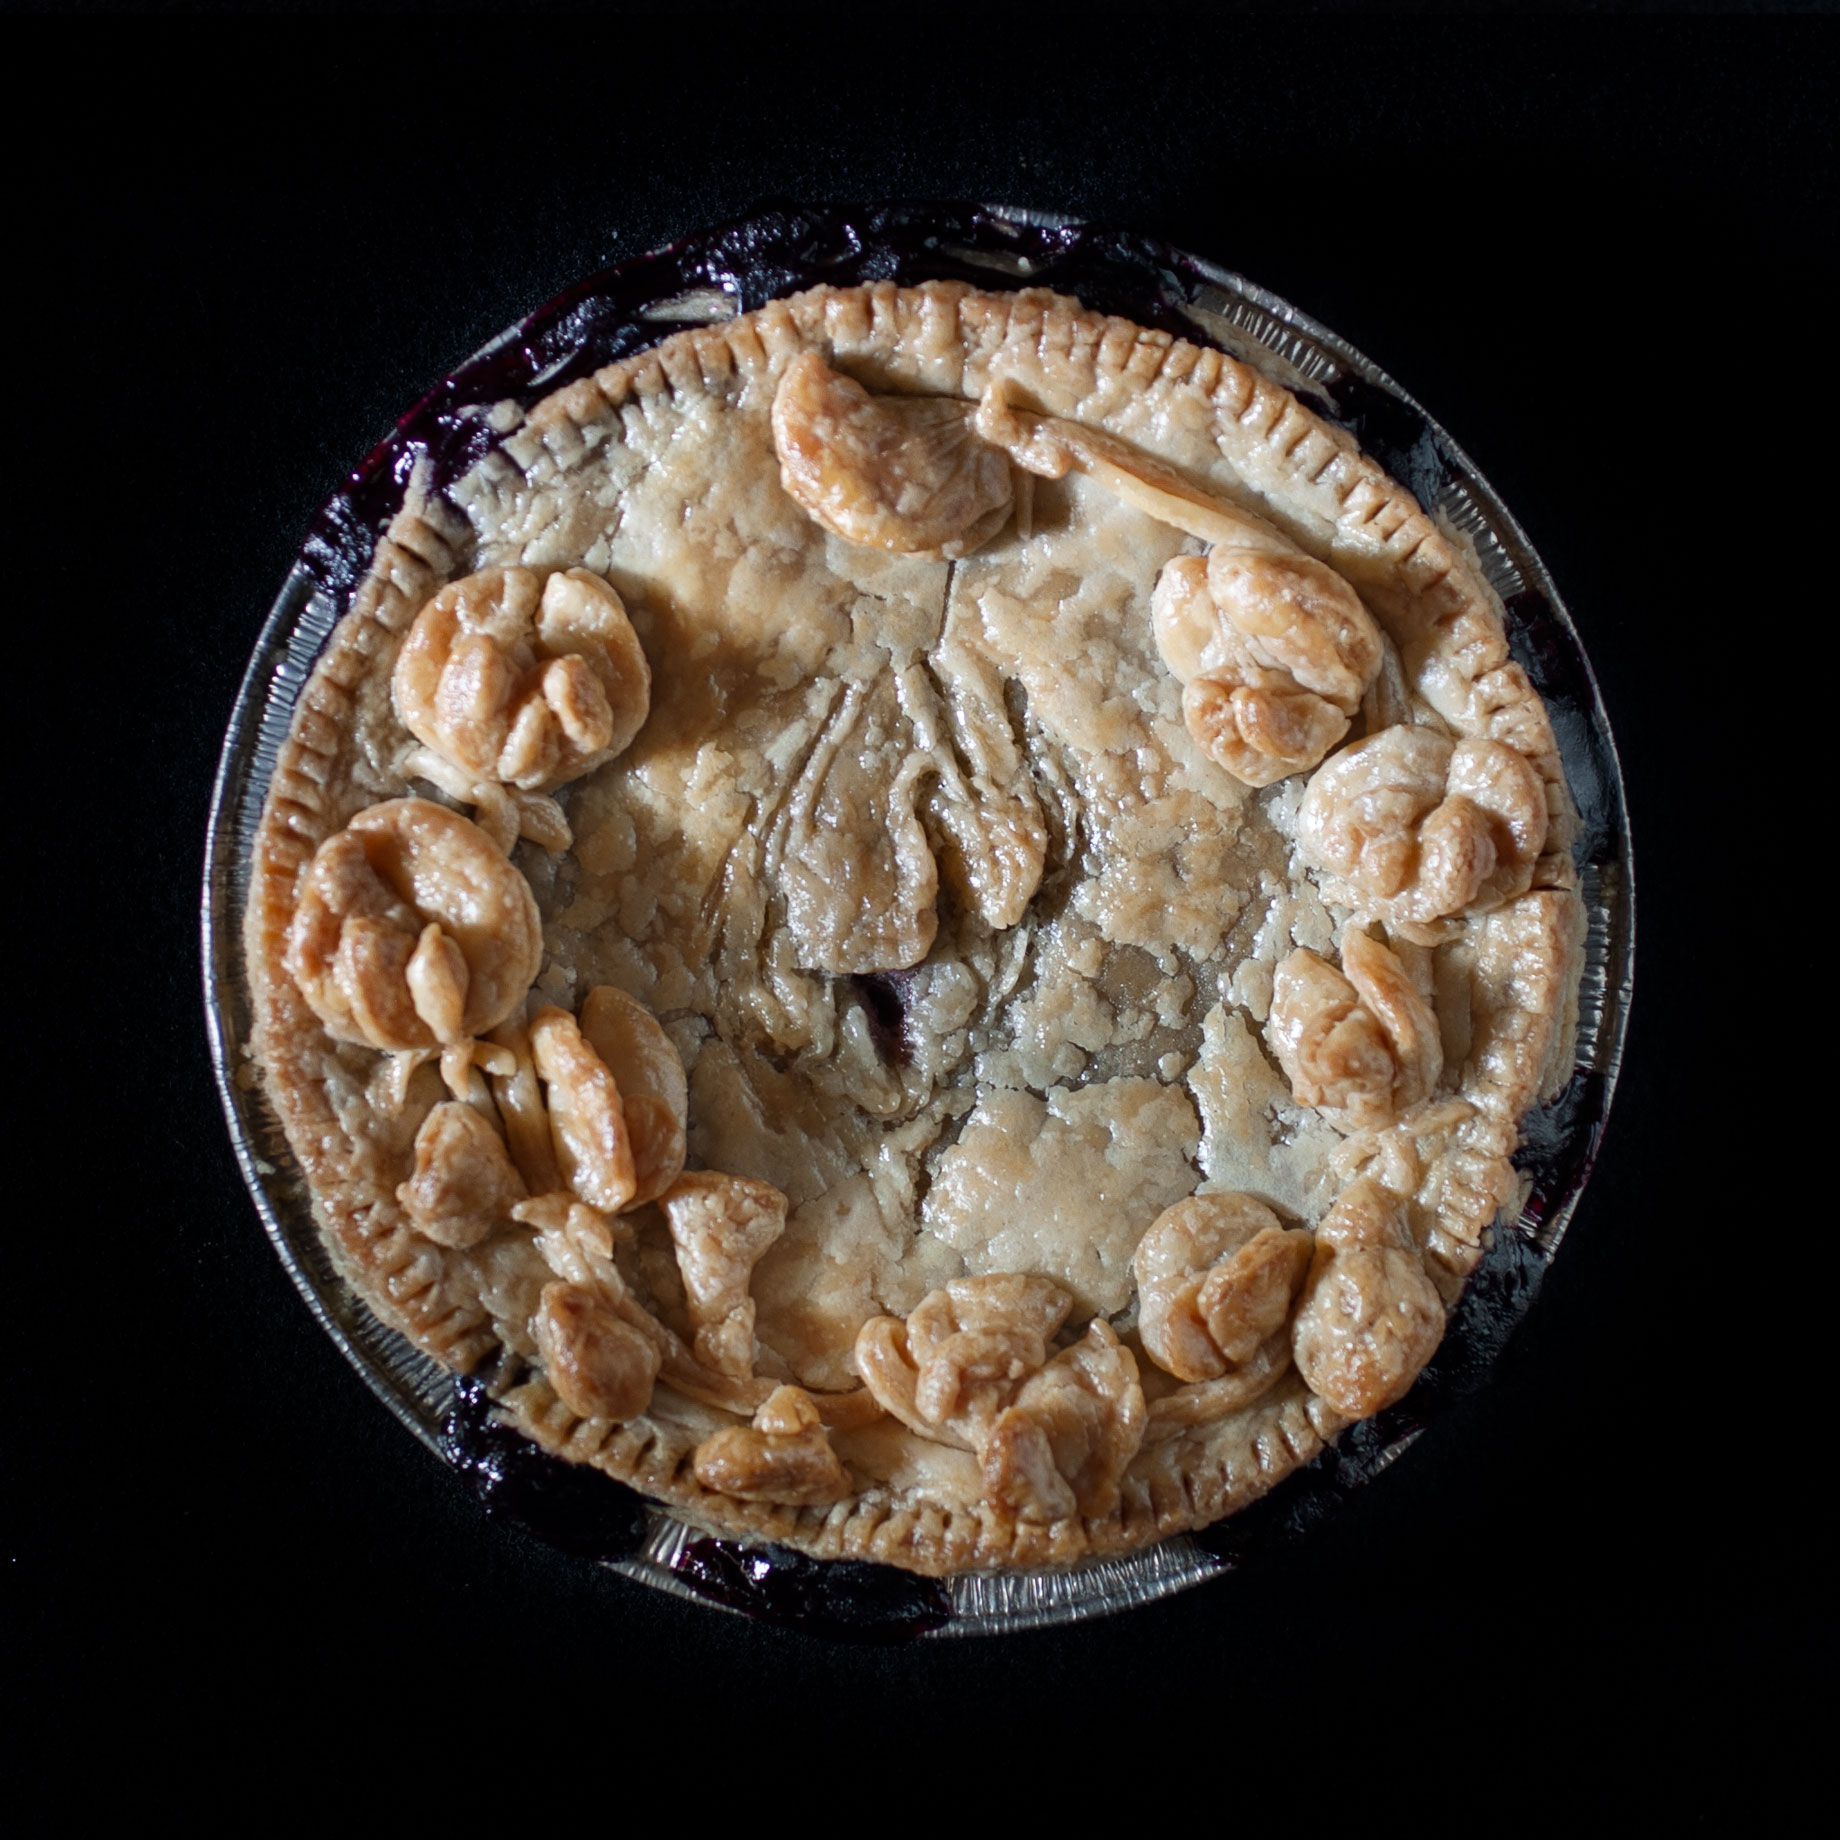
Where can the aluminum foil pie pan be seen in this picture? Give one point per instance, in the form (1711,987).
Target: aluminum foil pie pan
(717,275)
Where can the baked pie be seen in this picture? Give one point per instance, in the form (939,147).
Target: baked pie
(923,921)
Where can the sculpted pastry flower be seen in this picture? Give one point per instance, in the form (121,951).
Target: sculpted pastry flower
(601,1349)
(1065,1444)
(591,1111)
(1414,827)
(902,473)
(1360,1044)
(970,1367)
(1370,1317)
(783,1456)
(1215,1278)
(1401,1154)
(515,685)
(411,930)
(577,1150)
(1274,651)
(956,1362)
(587,1325)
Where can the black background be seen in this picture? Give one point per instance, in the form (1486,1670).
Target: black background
(1592,247)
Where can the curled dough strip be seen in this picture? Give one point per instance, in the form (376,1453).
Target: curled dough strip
(1206,1401)
(1063,1447)
(1051,447)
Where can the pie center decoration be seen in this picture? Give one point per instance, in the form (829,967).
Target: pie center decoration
(922,921)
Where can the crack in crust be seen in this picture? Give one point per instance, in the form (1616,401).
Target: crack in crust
(1304,477)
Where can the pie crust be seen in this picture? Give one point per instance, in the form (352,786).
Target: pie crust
(1127,1126)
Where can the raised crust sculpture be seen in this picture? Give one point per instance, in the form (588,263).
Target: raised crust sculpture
(1016,902)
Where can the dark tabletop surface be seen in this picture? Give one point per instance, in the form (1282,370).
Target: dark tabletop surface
(1589,247)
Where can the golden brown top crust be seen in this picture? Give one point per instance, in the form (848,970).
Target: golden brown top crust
(942,730)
